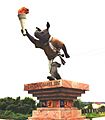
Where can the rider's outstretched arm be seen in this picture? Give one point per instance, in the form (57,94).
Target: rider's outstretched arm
(33,40)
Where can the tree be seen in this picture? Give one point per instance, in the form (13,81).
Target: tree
(4,102)
(90,107)
(29,101)
(24,106)
(78,103)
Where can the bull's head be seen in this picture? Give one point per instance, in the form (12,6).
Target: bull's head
(43,35)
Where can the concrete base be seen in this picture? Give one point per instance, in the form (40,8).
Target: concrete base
(56,99)
(56,114)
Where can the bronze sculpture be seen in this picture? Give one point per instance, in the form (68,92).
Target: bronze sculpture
(51,46)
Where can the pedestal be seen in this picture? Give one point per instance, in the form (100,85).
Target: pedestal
(56,99)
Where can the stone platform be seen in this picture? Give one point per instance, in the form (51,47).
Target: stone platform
(56,99)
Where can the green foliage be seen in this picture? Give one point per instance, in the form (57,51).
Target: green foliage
(11,115)
(16,109)
(90,107)
(94,115)
(78,103)
(100,112)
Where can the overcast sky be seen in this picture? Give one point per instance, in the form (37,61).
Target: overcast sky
(80,24)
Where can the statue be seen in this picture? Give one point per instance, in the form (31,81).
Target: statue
(51,46)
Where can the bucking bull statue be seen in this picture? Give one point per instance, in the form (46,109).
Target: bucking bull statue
(51,46)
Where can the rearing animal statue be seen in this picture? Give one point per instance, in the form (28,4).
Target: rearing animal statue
(46,42)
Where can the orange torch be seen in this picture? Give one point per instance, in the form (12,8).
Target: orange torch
(22,18)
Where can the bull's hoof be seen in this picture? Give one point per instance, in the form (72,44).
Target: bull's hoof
(67,56)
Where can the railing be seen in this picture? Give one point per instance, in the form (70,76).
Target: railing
(99,110)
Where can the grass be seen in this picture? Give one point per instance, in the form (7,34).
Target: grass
(94,115)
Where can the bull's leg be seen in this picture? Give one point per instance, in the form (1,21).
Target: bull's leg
(65,51)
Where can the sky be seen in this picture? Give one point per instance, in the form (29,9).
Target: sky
(80,24)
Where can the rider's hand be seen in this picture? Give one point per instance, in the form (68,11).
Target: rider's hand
(22,31)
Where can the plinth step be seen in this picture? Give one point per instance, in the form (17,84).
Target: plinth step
(56,114)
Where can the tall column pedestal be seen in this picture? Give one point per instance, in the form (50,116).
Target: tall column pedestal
(56,99)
